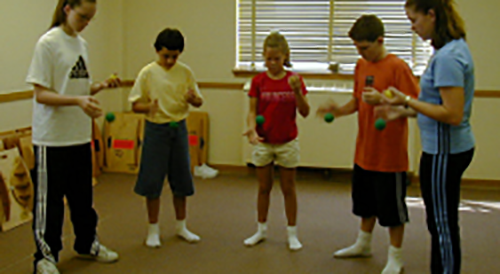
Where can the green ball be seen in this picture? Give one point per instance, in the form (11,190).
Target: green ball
(110,117)
(380,124)
(329,117)
(260,120)
(174,124)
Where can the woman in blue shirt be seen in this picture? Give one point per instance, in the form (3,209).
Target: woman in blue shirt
(443,111)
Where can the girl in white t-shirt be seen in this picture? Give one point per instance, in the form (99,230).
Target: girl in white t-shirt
(63,109)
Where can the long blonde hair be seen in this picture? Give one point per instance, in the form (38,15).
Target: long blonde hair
(449,24)
(277,40)
(59,16)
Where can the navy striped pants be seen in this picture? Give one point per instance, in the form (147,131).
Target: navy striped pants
(440,177)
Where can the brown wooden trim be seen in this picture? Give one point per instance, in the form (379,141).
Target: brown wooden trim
(320,75)
(343,173)
(16,96)
(487,93)
(24,95)
(213,85)
(468,183)
(480,183)
(331,76)
(232,168)
(130,83)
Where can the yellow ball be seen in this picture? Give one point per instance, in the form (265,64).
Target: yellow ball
(388,93)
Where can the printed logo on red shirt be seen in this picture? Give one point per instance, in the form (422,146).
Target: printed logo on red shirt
(277,103)
(278,96)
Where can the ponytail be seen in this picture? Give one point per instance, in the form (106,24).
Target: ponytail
(59,16)
(449,24)
(456,24)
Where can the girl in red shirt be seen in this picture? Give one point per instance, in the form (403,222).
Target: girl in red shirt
(276,95)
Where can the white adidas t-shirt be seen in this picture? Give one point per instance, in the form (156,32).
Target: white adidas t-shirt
(60,63)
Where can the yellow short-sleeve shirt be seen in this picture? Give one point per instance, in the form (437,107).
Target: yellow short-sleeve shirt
(154,82)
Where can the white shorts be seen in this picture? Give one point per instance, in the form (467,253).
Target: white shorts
(286,155)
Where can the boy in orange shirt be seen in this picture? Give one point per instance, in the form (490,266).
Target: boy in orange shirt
(381,158)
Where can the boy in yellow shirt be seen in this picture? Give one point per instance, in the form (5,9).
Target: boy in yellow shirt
(163,91)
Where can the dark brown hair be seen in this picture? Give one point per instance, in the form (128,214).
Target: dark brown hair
(368,27)
(170,39)
(449,24)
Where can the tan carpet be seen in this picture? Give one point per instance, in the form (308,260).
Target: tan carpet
(222,212)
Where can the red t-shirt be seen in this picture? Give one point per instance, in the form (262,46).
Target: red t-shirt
(385,150)
(276,102)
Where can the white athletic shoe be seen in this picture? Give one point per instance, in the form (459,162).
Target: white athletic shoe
(205,172)
(45,266)
(104,255)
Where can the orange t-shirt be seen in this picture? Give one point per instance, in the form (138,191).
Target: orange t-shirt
(385,150)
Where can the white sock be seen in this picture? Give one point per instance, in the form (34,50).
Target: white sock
(257,237)
(293,241)
(361,248)
(153,239)
(183,232)
(394,261)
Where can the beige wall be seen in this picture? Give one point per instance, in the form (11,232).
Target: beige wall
(19,35)
(22,25)
(18,38)
(122,37)
(210,32)
(482,22)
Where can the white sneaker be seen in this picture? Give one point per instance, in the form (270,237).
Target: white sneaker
(45,266)
(211,172)
(104,255)
(209,169)
(205,172)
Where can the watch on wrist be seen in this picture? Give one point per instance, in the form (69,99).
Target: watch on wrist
(407,100)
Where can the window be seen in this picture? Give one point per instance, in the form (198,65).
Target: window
(316,31)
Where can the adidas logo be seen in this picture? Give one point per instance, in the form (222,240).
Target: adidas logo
(79,70)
